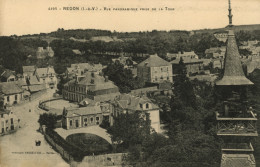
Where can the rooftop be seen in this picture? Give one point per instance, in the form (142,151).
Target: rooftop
(9,88)
(154,61)
(89,110)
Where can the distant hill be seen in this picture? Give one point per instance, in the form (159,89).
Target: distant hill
(236,28)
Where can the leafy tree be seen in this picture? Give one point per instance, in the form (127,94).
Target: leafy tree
(130,129)
(49,120)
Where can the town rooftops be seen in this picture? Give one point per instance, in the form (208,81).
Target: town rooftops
(233,72)
(130,102)
(89,110)
(7,73)
(9,88)
(154,61)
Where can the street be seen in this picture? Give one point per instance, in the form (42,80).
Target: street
(19,150)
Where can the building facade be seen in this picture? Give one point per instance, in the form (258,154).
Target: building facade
(193,66)
(154,70)
(8,122)
(42,53)
(73,118)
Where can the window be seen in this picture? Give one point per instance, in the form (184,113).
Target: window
(15,97)
(2,115)
(6,121)
(12,121)
(91,120)
(3,130)
(97,120)
(141,106)
(155,78)
(8,98)
(70,122)
(85,119)
(147,105)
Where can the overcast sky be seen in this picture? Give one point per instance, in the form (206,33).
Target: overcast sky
(32,16)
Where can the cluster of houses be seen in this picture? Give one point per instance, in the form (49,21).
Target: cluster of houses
(15,87)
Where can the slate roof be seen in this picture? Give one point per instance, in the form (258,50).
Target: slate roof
(9,88)
(154,61)
(36,88)
(233,72)
(238,160)
(7,73)
(187,60)
(34,80)
(28,69)
(89,110)
(130,102)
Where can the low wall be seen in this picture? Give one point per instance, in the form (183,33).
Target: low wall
(58,148)
(116,159)
(47,108)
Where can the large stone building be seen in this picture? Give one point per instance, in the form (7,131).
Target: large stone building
(154,70)
(127,103)
(90,87)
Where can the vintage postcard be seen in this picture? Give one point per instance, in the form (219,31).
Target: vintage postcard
(129,83)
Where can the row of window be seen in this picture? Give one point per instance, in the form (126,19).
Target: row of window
(85,121)
(162,78)
(8,98)
(162,69)
(78,89)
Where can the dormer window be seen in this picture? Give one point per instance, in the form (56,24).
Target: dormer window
(141,106)
(147,105)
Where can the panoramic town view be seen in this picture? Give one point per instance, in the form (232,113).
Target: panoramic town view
(95,98)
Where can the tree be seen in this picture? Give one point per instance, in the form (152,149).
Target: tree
(130,129)
(60,85)
(49,120)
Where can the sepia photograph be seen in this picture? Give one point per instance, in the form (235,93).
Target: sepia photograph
(141,83)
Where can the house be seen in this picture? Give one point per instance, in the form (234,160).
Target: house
(8,121)
(8,76)
(221,35)
(47,76)
(154,70)
(216,52)
(126,103)
(28,71)
(81,68)
(11,92)
(192,55)
(35,85)
(42,53)
(81,117)
(89,86)
(193,65)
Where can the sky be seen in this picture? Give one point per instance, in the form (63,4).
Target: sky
(22,17)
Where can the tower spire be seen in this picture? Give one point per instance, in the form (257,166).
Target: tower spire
(230,13)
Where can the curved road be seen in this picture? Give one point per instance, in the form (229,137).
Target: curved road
(18,149)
